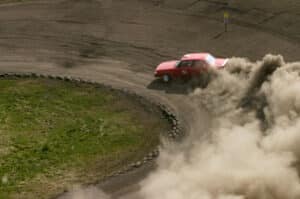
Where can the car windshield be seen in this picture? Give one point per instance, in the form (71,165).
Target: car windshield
(210,59)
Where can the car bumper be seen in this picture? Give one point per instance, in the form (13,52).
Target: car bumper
(156,74)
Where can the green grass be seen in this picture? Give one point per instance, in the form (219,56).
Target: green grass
(54,134)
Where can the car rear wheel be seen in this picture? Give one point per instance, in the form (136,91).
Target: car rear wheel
(166,78)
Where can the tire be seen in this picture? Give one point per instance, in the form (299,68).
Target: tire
(166,78)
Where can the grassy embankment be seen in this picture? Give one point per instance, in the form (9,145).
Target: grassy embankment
(55,134)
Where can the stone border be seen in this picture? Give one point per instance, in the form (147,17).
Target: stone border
(175,132)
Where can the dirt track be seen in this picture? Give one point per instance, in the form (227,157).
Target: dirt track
(120,42)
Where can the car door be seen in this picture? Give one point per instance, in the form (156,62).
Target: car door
(198,67)
(184,68)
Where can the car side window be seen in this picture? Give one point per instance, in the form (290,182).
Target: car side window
(185,63)
(200,64)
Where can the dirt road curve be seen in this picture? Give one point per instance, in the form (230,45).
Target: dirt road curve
(120,42)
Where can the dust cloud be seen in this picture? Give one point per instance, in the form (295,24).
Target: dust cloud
(252,149)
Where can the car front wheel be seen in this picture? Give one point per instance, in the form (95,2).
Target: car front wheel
(166,78)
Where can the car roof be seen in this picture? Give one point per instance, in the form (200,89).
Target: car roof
(195,56)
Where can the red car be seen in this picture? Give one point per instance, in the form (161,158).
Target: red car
(190,65)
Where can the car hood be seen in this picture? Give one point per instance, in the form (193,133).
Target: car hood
(219,63)
(166,65)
